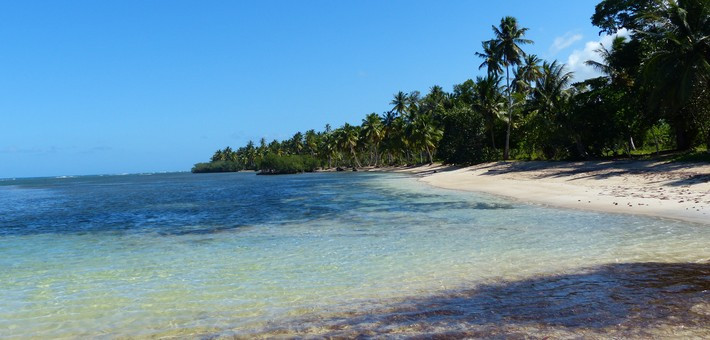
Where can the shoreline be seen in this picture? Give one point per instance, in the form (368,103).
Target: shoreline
(677,191)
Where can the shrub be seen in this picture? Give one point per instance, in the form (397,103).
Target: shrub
(216,166)
(287,164)
(465,140)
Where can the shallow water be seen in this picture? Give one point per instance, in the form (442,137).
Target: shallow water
(340,254)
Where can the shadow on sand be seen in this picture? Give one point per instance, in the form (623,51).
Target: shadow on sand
(618,300)
(599,169)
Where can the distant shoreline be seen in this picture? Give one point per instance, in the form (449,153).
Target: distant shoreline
(679,191)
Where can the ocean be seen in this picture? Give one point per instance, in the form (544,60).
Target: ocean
(333,254)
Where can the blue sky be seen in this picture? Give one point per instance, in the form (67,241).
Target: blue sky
(98,87)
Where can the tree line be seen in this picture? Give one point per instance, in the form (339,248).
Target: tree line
(654,93)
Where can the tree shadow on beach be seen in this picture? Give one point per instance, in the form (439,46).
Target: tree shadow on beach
(620,299)
(599,170)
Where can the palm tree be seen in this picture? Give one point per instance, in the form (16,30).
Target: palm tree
(311,142)
(424,134)
(549,102)
(262,147)
(550,86)
(678,71)
(413,100)
(372,130)
(297,143)
(250,156)
(508,38)
(347,138)
(389,132)
(400,101)
(218,156)
(491,60)
(489,102)
(527,73)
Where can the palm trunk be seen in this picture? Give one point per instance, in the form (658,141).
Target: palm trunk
(493,141)
(431,159)
(377,156)
(506,153)
(580,147)
(357,162)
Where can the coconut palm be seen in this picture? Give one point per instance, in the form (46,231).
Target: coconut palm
(311,142)
(508,38)
(424,134)
(296,143)
(491,59)
(551,85)
(400,101)
(527,73)
(678,71)
(488,101)
(347,140)
(373,132)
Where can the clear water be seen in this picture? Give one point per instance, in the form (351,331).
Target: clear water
(175,255)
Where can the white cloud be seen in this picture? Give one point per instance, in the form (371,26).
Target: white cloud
(564,41)
(575,61)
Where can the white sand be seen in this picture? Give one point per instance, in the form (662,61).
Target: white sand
(669,190)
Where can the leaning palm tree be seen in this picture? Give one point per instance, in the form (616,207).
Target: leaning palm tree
(508,38)
(347,139)
(611,61)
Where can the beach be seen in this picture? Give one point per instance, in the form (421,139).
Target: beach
(678,191)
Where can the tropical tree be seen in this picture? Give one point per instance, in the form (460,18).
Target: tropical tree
(549,101)
(678,71)
(425,134)
(527,73)
(506,44)
(373,132)
(489,102)
(311,142)
(347,140)
(400,102)
(491,58)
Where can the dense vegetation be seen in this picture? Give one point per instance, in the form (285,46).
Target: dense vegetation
(654,94)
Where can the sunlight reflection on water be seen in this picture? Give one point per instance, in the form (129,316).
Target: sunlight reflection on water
(331,254)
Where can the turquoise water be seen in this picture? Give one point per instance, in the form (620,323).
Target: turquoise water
(175,255)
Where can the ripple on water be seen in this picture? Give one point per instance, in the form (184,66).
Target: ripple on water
(333,254)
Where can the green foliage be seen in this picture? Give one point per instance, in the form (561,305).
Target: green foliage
(465,139)
(700,155)
(613,15)
(217,166)
(288,164)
